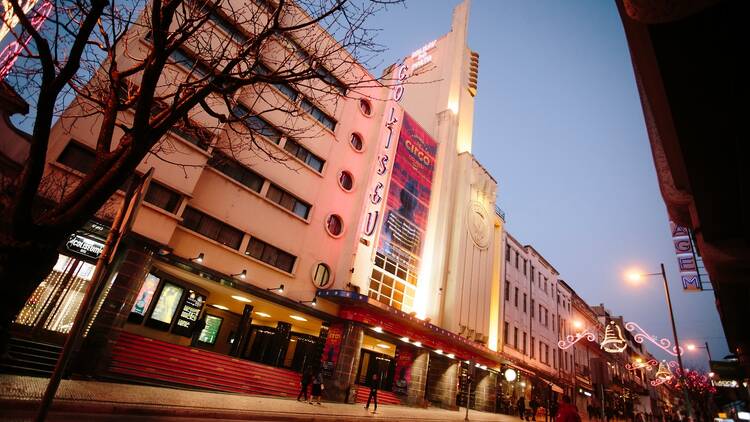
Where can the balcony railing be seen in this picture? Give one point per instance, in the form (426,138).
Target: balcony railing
(500,213)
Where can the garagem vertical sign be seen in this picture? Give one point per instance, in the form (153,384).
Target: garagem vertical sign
(686,257)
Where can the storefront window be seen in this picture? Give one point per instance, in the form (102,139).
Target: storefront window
(167,304)
(54,304)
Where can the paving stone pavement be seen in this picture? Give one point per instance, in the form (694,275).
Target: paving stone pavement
(96,400)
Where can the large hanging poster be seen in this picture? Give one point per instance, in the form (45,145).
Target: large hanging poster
(408,202)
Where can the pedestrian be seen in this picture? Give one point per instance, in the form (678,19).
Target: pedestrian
(553,407)
(590,411)
(317,387)
(521,406)
(534,405)
(304,382)
(373,393)
(567,412)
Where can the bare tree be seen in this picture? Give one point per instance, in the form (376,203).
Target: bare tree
(144,69)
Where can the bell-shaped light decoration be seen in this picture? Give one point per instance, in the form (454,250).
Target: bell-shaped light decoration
(663,374)
(613,341)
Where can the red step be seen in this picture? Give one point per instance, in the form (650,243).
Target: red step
(145,358)
(384,397)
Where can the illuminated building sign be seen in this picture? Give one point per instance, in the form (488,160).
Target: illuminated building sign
(84,246)
(377,186)
(9,54)
(421,56)
(408,202)
(686,258)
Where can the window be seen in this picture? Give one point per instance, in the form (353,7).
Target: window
(257,124)
(307,157)
(271,255)
(532,273)
(507,290)
(523,345)
(546,354)
(524,302)
(546,318)
(77,157)
(162,197)
(322,276)
(288,201)
(327,77)
(525,265)
(515,338)
(365,107)
(284,88)
(318,114)
(356,142)
(334,225)
(183,58)
(532,308)
(228,27)
(346,181)
(540,314)
(515,297)
(505,332)
(211,228)
(516,259)
(533,347)
(507,252)
(235,170)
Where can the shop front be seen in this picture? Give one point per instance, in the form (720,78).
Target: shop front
(171,321)
(417,363)
(49,312)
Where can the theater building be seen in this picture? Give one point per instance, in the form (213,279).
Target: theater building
(374,248)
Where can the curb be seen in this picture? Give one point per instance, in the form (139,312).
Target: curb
(62,406)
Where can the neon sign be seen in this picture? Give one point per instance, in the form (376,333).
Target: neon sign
(10,53)
(421,57)
(377,187)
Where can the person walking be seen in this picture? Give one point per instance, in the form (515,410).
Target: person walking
(304,382)
(373,393)
(317,387)
(553,408)
(521,406)
(567,412)
(534,405)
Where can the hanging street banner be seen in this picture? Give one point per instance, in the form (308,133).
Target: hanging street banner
(687,259)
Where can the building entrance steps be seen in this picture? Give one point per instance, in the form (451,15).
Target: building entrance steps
(20,395)
(156,361)
(384,397)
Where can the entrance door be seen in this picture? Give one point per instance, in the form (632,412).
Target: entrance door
(371,363)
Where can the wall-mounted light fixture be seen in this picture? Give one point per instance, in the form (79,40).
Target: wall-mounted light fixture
(313,302)
(241,275)
(198,259)
(279,289)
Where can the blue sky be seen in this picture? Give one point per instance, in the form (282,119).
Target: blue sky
(558,122)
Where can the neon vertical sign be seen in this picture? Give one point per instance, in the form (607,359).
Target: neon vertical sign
(384,161)
(10,53)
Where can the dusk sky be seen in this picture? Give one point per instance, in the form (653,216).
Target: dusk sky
(558,123)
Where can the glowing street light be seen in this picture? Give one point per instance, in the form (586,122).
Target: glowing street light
(635,277)
(577,324)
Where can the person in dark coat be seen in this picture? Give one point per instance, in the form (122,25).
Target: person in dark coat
(521,406)
(553,408)
(534,405)
(304,382)
(317,386)
(373,393)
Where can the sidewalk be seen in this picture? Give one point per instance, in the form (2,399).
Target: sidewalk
(19,397)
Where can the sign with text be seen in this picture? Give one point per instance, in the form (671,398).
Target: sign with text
(686,257)
(408,201)
(331,349)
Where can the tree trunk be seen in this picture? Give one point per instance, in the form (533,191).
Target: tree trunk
(23,266)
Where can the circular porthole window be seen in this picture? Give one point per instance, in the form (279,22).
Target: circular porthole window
(334,225)
(321,277)
(346,180)
(365,107)
(356,142)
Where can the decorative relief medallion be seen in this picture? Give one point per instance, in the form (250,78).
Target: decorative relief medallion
(479,225)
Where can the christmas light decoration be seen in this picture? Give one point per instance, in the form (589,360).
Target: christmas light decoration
(613,341)
(663,374)
(571,340)
(647,365)
(641,334)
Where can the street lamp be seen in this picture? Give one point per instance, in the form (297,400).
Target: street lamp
(636,277)
(692,347)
